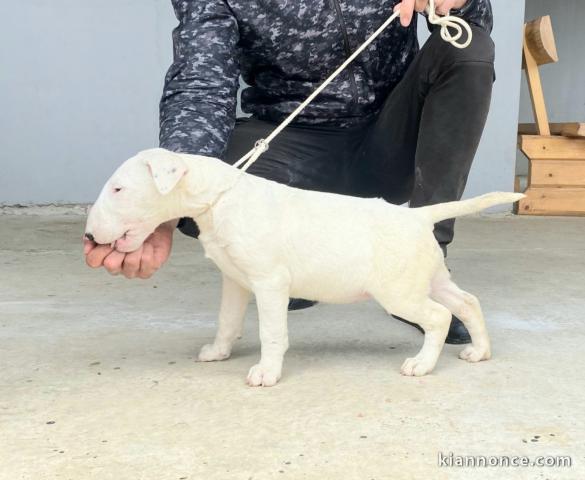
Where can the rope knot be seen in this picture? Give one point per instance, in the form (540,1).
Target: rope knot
(457,24)
(261,145)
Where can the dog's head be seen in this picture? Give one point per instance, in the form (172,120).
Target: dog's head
(136,200)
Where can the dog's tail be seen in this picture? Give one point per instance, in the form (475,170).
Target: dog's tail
(443,211)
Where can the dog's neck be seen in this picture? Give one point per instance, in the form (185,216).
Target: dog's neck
(206,181)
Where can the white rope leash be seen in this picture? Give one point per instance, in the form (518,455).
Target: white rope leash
(459,26)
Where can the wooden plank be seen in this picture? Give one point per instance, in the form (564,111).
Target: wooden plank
(536,92)
(541,40)
(553,201)
(557,173)
(569,129)
(574,130)
(537,147)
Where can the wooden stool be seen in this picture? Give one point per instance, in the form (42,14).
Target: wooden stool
(556,152)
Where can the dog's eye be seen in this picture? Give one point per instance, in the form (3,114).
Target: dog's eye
(117,189)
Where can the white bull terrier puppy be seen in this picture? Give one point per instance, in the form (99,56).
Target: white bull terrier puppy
(280,242)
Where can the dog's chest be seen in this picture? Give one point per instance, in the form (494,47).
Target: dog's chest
(219,255)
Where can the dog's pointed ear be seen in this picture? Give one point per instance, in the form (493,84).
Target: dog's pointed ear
(167,169)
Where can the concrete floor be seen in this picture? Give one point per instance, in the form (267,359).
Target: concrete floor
(98,377)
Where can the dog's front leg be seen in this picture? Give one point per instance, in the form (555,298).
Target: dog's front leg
(234,301)
(272,301)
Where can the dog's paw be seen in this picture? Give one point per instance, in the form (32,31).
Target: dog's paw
(263,375)
(213,353)
(475,354)
(416,367)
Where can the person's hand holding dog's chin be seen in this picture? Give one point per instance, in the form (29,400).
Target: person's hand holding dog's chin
(141,263)
(408,7)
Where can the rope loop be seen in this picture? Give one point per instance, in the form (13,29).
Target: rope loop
(448,22)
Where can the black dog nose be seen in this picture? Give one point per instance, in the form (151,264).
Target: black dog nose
(89,236)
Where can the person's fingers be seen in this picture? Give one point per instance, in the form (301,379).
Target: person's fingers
(88,246)
(162,248)
(113,262)
(159,257)
(406,12)
(443,7)
(95,257)
(147,265)
(420,5)
(131,264)
(408,7)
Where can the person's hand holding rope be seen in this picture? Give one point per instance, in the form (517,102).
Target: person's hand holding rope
(408,7)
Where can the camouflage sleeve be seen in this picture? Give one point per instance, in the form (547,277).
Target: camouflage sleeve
(477,12)
(198,105)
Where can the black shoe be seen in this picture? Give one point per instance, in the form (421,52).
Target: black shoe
(458,334)
(300,304)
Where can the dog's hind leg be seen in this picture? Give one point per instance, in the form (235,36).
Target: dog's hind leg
(466,307)
(433,317)
(234,301)
(272,300)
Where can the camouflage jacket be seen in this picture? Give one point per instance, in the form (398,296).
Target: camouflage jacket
(283,49)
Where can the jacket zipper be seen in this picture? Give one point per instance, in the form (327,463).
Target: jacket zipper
(348,52)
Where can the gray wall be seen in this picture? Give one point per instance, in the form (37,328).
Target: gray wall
(563,82)
(79,86)
(80,83)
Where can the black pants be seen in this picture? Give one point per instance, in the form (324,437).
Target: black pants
(418,149)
